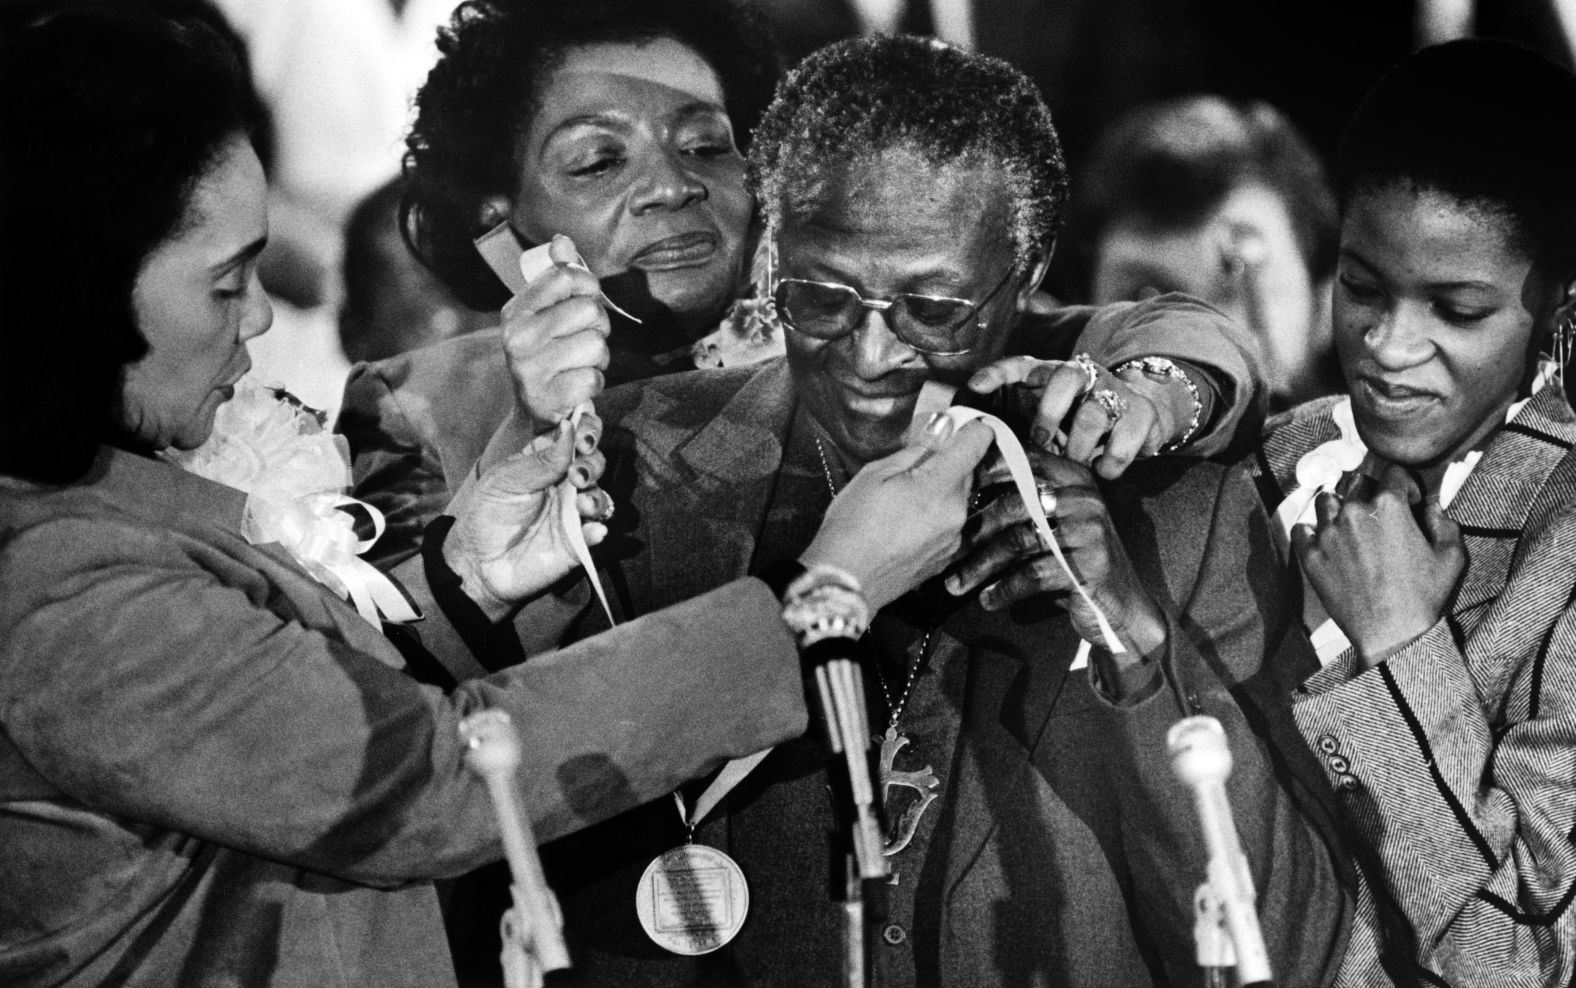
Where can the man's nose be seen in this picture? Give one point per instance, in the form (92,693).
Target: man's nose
(875,350)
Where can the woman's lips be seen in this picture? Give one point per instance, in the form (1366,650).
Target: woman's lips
(1394,400)
(681,251)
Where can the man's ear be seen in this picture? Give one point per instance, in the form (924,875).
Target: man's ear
(1039,265)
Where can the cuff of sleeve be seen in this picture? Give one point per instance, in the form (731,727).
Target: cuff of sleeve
(495,646)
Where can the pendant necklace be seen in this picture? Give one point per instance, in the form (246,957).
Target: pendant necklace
(901,830)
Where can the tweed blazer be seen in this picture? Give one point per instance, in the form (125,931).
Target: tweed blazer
(1065,854)
(213,771)
(418,422)
(1454,760)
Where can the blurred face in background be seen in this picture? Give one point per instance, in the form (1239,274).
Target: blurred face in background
(631,154)
(1244,260)
(197,301)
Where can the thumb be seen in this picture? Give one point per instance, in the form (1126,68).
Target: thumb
(960,453)
(542,465)
(1440,528)
(562,251)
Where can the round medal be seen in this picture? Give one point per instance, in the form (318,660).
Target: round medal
(692,899)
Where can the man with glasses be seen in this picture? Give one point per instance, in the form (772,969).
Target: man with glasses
(912,192)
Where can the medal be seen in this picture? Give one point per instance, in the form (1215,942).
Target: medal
(692,900)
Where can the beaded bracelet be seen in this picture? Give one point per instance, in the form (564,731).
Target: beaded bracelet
(1160,367)
(825,602)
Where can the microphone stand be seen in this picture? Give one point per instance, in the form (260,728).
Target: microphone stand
(1226,928)
(860,865)
(533,930)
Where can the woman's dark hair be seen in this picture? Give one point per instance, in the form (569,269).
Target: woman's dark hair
(481,96)
(1167,166)
(111,119)
(1483,122)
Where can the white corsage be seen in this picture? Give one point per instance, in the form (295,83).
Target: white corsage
(294,472)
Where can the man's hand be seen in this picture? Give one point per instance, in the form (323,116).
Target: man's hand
(1007,558)
(1382,577)
(555,339)
(508,542)
(1043,392)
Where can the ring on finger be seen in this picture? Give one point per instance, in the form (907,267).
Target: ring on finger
(1113,404)
(1047,499)
(1091,372)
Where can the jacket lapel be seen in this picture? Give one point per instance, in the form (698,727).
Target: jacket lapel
(704,519)
(1017,675)
(1500,494)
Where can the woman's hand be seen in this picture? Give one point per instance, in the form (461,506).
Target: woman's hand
(1007,557)
(1044,391)
(555,339)
(900,520)
(508,542)
(1383,578)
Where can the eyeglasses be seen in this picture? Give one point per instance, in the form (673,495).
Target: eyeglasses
(932,324)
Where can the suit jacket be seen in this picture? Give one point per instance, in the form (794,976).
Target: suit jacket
(213,771)
(1065,854)
(1455,758)
(417,423)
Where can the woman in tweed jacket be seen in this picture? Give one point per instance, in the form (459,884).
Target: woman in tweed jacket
(1432,513)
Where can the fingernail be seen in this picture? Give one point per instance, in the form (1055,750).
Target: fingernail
(939,425)
(1042,437)
(954,586)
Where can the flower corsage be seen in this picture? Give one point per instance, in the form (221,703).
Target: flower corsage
(294,472)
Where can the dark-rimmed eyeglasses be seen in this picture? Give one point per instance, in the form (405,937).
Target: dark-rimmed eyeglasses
(937,325)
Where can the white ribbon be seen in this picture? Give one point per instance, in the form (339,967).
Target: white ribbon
(322,538)
(938,397)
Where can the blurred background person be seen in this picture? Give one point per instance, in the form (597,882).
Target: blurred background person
(391,302)
(1224,201)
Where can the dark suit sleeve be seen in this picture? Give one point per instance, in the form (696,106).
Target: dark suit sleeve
(1173,326)
(395,458)
(1232,654)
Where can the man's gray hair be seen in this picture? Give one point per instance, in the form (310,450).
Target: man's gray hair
(852,103)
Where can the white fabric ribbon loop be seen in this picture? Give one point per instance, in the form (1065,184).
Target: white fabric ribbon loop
(938,397)
(322,538)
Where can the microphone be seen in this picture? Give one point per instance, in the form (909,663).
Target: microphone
(827,612)
(1201,760)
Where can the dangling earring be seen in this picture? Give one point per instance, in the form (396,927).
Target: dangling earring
(1564,337)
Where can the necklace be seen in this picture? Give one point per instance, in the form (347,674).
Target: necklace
(901,827)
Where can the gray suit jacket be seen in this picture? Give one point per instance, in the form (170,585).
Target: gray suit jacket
(213,771)
(1455,759)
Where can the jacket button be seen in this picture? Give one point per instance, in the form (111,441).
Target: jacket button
(894,934)
(1346,783)
(1339,765)
(1328,745)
